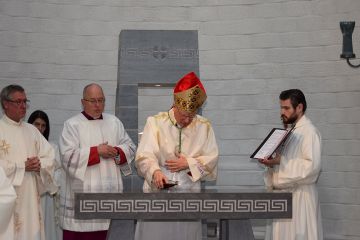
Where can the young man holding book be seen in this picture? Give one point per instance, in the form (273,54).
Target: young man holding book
(296,168)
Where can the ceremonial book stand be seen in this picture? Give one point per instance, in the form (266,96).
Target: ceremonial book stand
(234,209)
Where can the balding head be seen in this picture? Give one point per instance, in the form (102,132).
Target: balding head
(93,100)
(91,87)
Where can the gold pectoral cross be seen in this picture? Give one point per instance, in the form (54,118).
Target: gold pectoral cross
(4,147)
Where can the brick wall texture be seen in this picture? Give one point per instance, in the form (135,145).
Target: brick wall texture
(250,50)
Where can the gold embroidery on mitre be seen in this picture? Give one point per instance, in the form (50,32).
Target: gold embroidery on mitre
(4,147)
(190,100)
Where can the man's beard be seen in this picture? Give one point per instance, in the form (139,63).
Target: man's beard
(291,120)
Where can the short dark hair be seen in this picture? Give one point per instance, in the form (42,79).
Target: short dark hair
(7,91)
(42,115)
(296,97)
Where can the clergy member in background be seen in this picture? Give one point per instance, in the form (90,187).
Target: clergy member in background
(28,161)
(177,146)
(49,203)
(296,168)
(95,150)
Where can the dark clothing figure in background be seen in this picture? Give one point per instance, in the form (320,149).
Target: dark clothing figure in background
(49,203)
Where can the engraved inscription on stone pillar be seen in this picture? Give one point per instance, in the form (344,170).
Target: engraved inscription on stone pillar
(151,56)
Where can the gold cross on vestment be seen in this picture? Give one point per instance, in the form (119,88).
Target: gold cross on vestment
(4,147)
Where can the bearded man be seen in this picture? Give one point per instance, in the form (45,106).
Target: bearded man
(296,168)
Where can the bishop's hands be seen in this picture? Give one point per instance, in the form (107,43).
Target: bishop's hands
(178,164)
(173,165)
(32,164)
(271,161)
(107,151)
(159,179)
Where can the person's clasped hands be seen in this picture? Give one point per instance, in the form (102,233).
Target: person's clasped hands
(32,164)
(107,151)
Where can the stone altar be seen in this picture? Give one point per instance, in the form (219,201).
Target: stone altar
(234,209)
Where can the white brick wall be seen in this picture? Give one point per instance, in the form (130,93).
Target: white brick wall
(250,50)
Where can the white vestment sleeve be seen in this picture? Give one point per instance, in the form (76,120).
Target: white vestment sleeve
(13,170)
(126,144)
(204,167)
(74,158)
(305,168)
(147,155)
(7,201)
(46,154)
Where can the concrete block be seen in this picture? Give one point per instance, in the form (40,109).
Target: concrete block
(73,11)
(7,54)
(339,211)
(245,102)
(232,27)
(238,163)
(12,39)
(333,230)
(203,13)
(333,179)
(296,8)
(339,131)
(243,131)
(218,57)
(237,12)
(169,14)
(15,8)
(339,195)
(226,87)
(241,178)
(224,117)
(236,147)
(227,42)
(341,163)
(86,57)
(250,56)
(67,102)
(334,100)
(118,13)
(336,115)
(341,147)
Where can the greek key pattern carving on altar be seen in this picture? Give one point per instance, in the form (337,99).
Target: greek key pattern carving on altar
(181,205)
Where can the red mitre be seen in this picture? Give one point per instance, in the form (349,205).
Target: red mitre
(189,93)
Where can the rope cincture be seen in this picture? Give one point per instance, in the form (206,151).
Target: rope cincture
(180,131)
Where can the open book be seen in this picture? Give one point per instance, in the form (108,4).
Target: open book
(273,140)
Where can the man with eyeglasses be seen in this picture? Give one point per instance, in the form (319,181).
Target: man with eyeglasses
(177,151)
(95,150)
(28,162)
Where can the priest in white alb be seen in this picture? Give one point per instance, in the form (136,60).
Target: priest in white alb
(28,162)
(95,150)
(296,169)
(177,147)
